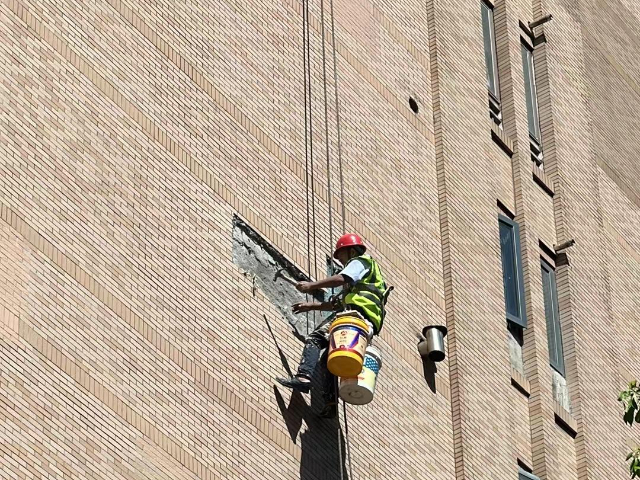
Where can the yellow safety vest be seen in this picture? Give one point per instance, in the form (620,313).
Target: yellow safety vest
(369,294)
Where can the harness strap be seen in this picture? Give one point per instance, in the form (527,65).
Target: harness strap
(367,288)
(385,296)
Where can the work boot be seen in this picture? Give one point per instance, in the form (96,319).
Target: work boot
(330,410)
(297,384)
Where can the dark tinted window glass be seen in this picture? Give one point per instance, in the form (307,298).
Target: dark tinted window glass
(530,93)
(509,269)
(554,332)
(490,49)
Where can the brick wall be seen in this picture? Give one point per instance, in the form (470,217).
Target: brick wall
(133,347)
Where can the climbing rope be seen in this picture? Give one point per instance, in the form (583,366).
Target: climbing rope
(330,201)
(312,169)
(342,202)
(337,103)
(308,136)
(340,461)
(306,151)
(329,198)
(346,434)
(326,125)
(309,174)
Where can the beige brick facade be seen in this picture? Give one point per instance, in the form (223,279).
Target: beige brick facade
(131,133)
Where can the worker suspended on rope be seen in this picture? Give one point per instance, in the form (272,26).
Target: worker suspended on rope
(364,290)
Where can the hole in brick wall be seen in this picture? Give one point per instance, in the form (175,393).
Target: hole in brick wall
(261,260)
(413,105)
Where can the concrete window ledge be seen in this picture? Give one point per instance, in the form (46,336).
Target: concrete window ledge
(565,420)
(520,382)
(501,138)
(542,179)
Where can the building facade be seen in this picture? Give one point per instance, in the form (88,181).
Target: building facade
(160,160)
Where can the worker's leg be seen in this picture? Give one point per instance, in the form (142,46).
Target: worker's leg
(329,382)
(313,345)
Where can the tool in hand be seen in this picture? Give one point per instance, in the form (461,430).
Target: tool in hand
(280,273)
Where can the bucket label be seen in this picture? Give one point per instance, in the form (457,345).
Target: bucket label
(361,389)
(349,338)
(371,364)
(367,378)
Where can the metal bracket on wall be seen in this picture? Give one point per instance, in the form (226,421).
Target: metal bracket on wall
(529,30)
(564,245)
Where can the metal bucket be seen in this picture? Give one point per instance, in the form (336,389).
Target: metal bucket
(433,346)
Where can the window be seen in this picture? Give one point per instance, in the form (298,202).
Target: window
(532,104)
(491,61)
(512,271)
(524,475)
(551,313)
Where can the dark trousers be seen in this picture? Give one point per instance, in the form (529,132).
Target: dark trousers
(315,342)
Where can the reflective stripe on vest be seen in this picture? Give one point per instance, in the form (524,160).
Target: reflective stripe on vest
(367,293)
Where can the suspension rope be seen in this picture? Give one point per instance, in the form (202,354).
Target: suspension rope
(309,176)
(346,434)
(313,196)
(340,456)
(330,200)
(306,144)
(326,125)
(337,103)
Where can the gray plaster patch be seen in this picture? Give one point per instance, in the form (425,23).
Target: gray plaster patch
(257,257)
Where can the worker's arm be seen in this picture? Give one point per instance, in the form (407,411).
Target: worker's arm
(351,274)
(329,282)
(308,306)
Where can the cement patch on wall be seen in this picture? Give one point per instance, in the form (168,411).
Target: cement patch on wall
(257,257)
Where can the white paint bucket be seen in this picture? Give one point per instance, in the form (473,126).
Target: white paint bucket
(359,390)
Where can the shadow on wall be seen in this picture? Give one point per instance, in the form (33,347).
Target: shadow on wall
(322,443)
(429,370)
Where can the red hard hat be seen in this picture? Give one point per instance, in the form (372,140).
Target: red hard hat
(349,240)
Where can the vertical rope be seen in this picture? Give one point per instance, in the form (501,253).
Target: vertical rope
(335,86)
(309,164)
(330,198)
(306,140)
(312,181)
(346,434)
(342,203)
(326,125)
(340,462)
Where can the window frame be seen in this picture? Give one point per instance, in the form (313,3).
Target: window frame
(495,108)
(531,100)
(557,361)
(515,229)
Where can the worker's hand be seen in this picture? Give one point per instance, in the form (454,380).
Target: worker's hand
(303,307)
(305,287)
